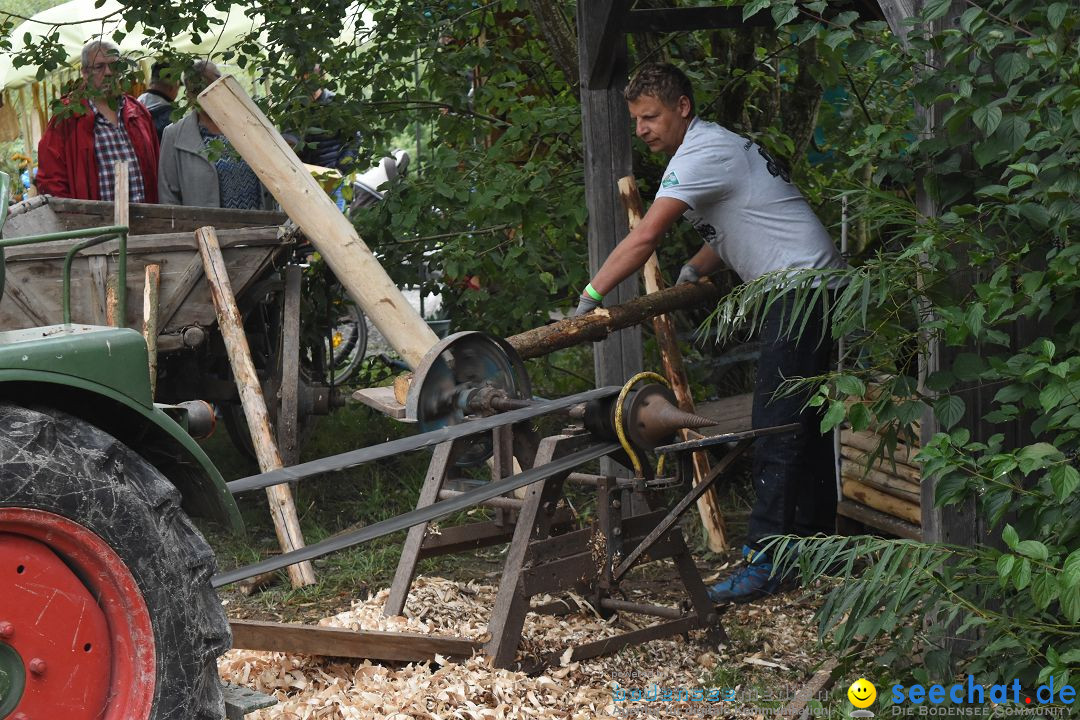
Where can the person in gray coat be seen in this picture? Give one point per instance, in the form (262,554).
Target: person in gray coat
(198,166)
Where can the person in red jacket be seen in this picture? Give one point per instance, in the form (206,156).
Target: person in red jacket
(78,152)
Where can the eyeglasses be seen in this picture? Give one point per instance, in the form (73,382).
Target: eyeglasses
(113,64)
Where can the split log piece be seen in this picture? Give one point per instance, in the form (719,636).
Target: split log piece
(151,290)
(712,519)
(282,509)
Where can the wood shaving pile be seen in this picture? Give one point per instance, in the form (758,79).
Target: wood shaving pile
(315,688)
(308,687)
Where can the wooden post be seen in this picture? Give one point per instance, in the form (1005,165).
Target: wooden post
(300,195)
(708,508)
(605,130)
(150,319)
(115,315)
(282,509)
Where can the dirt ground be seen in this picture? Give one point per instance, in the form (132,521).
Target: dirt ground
(770,653)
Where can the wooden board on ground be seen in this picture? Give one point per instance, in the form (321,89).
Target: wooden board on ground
(338,642)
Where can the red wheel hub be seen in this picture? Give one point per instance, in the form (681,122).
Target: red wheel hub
(76,617)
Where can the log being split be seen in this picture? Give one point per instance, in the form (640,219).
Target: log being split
(282,509)
(712,519)
(302,198)
(601,322)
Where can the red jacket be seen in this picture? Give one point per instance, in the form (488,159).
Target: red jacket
(67,166)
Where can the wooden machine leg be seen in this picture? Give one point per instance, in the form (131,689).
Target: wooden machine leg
(534,522)
(410,552)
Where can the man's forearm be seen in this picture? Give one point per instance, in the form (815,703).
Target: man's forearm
(626,259)
(705,261)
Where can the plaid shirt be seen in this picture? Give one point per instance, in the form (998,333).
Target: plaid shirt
(112,145)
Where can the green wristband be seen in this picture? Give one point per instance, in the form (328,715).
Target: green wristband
(591,292)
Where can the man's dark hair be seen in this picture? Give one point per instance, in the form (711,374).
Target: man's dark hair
(663,81)
(162,72)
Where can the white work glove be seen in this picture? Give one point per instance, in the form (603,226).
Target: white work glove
(586,304)
(688,274)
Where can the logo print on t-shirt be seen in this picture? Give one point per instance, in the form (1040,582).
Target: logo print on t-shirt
(706,231)
(670,180)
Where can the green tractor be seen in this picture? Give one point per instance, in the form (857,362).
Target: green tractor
(106,606)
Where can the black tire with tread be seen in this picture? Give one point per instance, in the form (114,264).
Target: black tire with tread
(52,461)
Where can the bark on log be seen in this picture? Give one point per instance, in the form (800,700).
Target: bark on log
(277,166)
(601,322)
(282,509)
(712,519)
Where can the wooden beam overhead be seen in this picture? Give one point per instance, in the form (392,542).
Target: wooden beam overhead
(660,20)
(601,24)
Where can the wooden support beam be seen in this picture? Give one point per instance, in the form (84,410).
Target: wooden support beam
(600,34)
(282,509)
(664,20)
(301,196)
(712,519)
(339,642)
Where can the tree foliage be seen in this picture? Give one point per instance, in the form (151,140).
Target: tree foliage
(992,279)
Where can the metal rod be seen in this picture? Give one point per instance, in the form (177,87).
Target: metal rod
(496,502)
(418,516)
(641,608)
(416,442)
(586,478)
(676,512)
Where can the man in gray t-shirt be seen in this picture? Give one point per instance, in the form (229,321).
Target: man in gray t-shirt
(755,221)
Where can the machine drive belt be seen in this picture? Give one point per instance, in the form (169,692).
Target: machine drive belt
(418,516)
(416,442)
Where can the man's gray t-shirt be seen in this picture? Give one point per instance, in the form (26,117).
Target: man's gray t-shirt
(743,205)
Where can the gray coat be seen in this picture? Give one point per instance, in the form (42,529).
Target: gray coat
(185,176)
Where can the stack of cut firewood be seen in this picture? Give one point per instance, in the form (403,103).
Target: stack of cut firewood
(871,477)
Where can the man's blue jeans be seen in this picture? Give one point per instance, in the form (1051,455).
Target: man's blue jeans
(794,473)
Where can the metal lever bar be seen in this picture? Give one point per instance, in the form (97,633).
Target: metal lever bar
(416,442)
(420,515)
(745,439)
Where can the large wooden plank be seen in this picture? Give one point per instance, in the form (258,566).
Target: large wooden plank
(68,213)
(733,414)
(339,642)
(273,160)
(183,242)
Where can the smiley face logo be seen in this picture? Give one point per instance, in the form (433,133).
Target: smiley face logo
(862,693)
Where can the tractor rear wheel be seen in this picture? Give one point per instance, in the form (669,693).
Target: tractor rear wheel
(108,610)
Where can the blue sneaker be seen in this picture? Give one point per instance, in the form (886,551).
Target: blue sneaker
(752,581)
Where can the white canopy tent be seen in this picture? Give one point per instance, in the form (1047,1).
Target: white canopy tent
(79,21)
